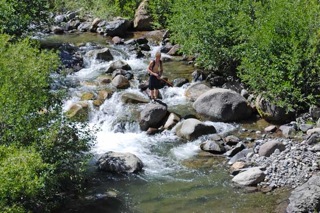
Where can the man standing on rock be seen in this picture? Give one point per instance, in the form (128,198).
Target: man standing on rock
(155,70)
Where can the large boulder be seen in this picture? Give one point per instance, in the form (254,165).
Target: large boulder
(306,198)
(100,54)
(130,97)
(222,105)
(250,177)
(269,147)
(142,19)
(195,90)
(271,112)
(118,27)
(192,128)
(119,162)
(120,82)
(153,116)
(119,64)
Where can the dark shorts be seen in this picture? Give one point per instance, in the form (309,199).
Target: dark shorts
(154,82)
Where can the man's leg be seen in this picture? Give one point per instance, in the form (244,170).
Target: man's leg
(156,93)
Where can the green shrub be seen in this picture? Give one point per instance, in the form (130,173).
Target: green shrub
(161,12)
(282,56)
(23,177)
(16,16)
(212,30)
(54,150)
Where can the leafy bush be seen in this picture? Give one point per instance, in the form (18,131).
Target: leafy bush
(212,30)
(161,12)
(54,150)
(16,16)
(23,177)
(282,57)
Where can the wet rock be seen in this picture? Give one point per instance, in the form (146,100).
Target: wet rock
(172,120)
(306,198)
(78,111)
(152,115)
(100,54)
(191,129)
(119,163)
(119,64)
(212,147)
(250,177)
(179,82)
(129,97)
(269,147)
(222,105)
(120,82)
(195,90)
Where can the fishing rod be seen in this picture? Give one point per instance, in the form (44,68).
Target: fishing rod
(166,82)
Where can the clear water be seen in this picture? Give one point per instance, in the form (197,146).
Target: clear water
(177,176)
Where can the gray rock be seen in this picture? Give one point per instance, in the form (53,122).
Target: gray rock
(269,147)
(270,112)
(222,105)
(152,115)
(119,162)
(315,112)
(305,127)
(306,198)
(119,64)
(238,148)
(287,130)
(241,155)
(313,138)
(120,82)
(271,128)
(250,177)
(195,90)
(212,147)
(191,129)
(100,54)
(172,120)
(142,18)
(231,140)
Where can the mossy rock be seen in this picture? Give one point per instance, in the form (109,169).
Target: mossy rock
(78,112)
(87,96)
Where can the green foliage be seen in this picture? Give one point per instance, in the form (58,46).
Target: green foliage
(16,16)
(23,177)
(24,86)
(161,12)
(213,30)
(282,56)
(53,150)
(101,8)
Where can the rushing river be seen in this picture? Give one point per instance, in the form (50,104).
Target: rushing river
(177,176)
